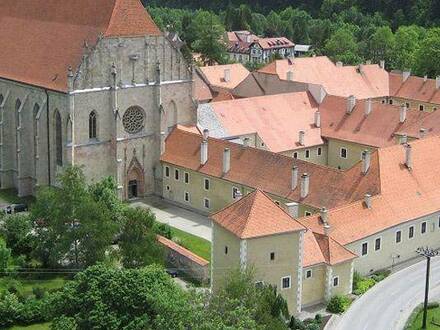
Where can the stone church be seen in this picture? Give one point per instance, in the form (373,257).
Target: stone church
(92,83)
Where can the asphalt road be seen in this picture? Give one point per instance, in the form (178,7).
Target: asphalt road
(388,305)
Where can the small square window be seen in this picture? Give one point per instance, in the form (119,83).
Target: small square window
(176,174)
(411,232)
(336,281)
(423,228)
(383,101)
(398,236)
(421,107)
(307,213)
(186,177)
(285,282)
(187,197)
(390,101)
(307,153)
(309,273)
(319,151)
(377,244)
(206,184)
(343,153)
(272,256)
(206,203)
(168,188)
(167,171)
(277,202)
(226,249)
(235,192)
(365,248)
(407,105)
(295,155)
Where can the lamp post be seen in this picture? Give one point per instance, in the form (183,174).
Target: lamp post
(428,253)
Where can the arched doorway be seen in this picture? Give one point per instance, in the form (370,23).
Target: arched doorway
(135,180)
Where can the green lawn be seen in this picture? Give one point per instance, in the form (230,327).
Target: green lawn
(415,320)
(195,244)
(40,326)
(25,286)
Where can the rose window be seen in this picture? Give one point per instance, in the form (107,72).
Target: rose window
(133,120)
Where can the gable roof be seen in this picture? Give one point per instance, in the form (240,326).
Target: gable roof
(277,119)
(271,172)
(414,88)
(377,129)
(255,215)
(368,82)
(215,75)
(41,38)
(405,195)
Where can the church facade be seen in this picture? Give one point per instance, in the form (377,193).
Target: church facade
(88,83)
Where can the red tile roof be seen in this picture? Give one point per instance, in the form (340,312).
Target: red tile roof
(377,129)
(40,39)
(405,195)
(414,88)
(340,81)
(215,75)
(271,172)
(274,43)
(255,215)
(182,251)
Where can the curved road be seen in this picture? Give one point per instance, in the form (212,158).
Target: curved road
(388,304)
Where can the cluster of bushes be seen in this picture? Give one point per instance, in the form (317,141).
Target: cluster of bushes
(362,284)
(307,324)
(338,304)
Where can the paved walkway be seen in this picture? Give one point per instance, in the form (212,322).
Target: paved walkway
(177,217)
(388,304)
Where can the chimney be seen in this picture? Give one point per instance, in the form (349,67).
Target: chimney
(227,75)
(204,152)
(301,136)
(289,75)
(422,132)
(437,82)
(366,161)
(368,106)
(226,160)
(408,156)
(403,139)
(351,103)
(324,215)
(205,134)
(405,75)
(382,64)
(367,201)
(326,229)
(294,177)
(317,119)
(368,62)
(339,64)
(425,78)
(403,110)
(360,68)
(305,181)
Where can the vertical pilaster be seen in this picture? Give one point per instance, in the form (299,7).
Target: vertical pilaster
(328,282)
(300,272)
(71,111)
(117,160)
(2,159)
(243,254)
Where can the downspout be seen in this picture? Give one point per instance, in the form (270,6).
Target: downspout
(48,137)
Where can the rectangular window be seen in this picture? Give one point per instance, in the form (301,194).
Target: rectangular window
(421,107)
(423,228)
(167,171)
(407,105)
(439,221)
(411,232)
(336,281)
(285,282)
(186,177)
(226,249)
(307,213)
(390,101)
(365,248)
(235,192)
(309,273)
(398,236)
(319,151)
(272,256)
(343,153)
(206,203)
(167,188)
(307,153)
(377,244)
(176,174)
(186,195)
(206,184)
(295,155)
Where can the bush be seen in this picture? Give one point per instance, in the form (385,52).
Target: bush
(318,318)
(38,292)
(363,285)
(381,275)
(433,305)
(162,229)
(338,304)
(12,311)
(63,323)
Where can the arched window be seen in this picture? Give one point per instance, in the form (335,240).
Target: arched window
(69,130)
(35,126)
(92,125)
(171,115)
(58,139)
(1,99)
(17,115)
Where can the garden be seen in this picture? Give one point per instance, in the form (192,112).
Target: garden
(433,319)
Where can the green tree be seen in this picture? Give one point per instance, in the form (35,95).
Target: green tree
(5,254)
(209,41)
(17,232)
(428,54)
(342,46)
(138,244)
(381,45)
(407,43)
(70,225)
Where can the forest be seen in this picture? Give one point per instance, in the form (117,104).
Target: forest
(406,34)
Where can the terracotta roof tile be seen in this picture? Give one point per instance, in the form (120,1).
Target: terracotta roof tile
(41,38)
(182,251)
(271,172)
(414,88)
(215,75)
(255,215)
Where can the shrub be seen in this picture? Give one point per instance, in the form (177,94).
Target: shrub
(9,309)
(5,254)
(318,318)
(380,275)
(363,285)
(38,292)
(338,304)
(162,229)
(433,305)
(63,323)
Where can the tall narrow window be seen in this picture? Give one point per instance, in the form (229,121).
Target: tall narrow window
(17,131)
(92,125)
(58,139)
